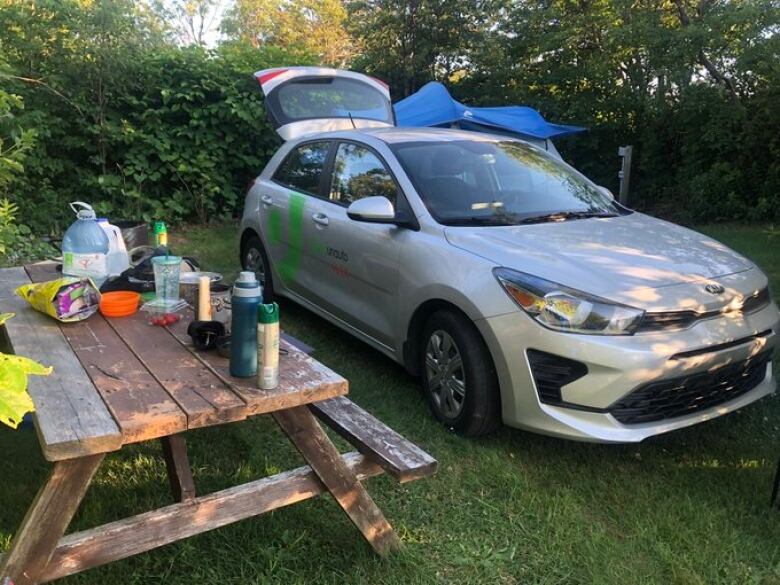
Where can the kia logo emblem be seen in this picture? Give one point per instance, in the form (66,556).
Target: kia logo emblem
(714,289)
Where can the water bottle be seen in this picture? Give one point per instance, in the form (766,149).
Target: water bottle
(247,295)
(160,234)
(85,246)
(117,260)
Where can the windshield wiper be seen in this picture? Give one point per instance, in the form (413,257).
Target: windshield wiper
(460,221)
(564,215)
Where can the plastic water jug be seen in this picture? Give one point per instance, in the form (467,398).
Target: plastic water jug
(247,295)
(117,260)
(85,246)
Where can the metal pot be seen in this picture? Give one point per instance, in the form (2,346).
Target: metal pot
(134,232)
(220,304)
(189,281)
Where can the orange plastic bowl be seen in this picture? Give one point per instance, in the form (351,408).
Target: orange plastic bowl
(119,303)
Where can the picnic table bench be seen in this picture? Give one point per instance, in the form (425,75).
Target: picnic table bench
(121,381)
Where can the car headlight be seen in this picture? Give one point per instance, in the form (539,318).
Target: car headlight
(565,309)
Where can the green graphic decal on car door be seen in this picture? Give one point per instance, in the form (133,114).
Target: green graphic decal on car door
(291,262)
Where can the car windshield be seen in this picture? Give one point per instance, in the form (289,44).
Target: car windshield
(477,182)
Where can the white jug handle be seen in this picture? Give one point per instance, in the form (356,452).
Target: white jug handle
(80,204)
(120,239)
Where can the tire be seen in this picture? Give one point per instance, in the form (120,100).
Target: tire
(463,395)
(255,259)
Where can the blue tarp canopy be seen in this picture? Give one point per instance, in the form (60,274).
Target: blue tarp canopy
(432,105)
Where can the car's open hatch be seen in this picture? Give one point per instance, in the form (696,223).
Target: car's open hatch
(306,100)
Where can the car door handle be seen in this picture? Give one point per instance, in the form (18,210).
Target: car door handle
(320,218)
(267,200)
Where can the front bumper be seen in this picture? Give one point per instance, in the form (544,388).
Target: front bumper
(618,365)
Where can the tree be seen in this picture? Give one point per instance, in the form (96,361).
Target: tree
(15,141)
(314,26)
(191,22)
(410,42)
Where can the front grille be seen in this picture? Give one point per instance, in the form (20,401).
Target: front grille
(675,320)
(757,301)
(670,320)
(688,394)
(551,372)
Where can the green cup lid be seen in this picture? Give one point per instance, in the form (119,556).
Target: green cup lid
(268,313)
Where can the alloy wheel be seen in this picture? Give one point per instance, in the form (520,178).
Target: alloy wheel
(445,375)
(253,261)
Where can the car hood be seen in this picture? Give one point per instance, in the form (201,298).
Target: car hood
(603,256)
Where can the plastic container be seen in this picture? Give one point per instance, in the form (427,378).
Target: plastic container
(85,246)
(247,296)
(166,277)
(117,260)
(119,303)
(164,312)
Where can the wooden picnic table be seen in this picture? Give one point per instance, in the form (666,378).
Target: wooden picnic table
(122,381)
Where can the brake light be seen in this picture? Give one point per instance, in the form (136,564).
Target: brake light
(270,75)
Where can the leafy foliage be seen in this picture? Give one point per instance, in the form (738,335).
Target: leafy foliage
(137,127)
(14,141)
(690,84)
(314,26)
(116,114)
(17,242)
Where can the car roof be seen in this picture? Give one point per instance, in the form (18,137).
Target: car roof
(394,135)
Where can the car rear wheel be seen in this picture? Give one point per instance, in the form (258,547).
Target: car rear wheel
(459,378)
(255,259)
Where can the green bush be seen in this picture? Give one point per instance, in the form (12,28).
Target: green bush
(182,137)
(17,242)
(136,126)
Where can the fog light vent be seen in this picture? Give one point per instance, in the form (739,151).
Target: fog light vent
(551,372)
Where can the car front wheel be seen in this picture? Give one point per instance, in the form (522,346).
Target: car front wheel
(459,378)
(255,259)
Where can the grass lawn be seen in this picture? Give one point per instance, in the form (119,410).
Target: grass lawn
(688,507)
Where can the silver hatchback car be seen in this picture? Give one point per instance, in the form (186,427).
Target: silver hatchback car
(519,290)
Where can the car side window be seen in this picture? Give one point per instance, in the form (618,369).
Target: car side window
(358,173)
(302,169)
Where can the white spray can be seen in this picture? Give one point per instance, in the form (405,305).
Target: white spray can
(267,346)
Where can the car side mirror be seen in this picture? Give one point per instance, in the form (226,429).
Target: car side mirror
(372,210)
(606,192)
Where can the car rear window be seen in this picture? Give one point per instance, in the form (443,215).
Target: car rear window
(329,97)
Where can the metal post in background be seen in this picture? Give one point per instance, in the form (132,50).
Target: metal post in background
(624,174)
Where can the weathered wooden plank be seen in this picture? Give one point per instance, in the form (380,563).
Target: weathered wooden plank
(71,418)
(398,456)
(178,466)
(302,379)
(203,396)
(140,405)
(47,519)
(319,452)
(131,536)
(42,271)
